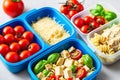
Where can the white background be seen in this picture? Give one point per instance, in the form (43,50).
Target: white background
(107,73)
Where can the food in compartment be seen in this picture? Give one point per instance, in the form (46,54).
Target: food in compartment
(98,16)
(68,68)
(71,7)
(108,41)
(16,44)
(49,30)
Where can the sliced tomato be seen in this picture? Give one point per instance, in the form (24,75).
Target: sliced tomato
(70,79)
(81,73)
(77,54)
(53,77)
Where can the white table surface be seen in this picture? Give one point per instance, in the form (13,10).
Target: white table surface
(107,73)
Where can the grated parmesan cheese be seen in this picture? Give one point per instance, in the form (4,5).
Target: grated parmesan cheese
(49,30)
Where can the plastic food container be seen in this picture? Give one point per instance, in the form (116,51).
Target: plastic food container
(25,20)
(106,59)
(86,12)
(62,46)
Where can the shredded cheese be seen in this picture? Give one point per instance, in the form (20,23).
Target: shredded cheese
(49,30)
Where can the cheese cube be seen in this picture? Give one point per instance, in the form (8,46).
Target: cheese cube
(40,75)
(65,54)
(60,62)
(67,73)
(86,68)
(68,62)
(59,71)
(48,66)
(71,49)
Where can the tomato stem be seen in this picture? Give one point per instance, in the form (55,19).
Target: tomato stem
(16,0)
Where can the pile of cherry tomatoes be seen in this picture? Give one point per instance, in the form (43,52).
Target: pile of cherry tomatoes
(71,7)
(89,23)
(17,44)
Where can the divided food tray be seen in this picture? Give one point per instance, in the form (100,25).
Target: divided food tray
(26,20)
(64,46)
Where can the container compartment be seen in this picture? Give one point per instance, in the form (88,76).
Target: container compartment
(105,58)
(18,66)
(55,15)
(62,46)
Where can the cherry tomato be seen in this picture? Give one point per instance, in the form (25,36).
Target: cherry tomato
(28,35)
(79,7)
(100,20)
(8,30)
(73,2)
(78,22)
(12,57)
(9,38)
(15,47)
(23,43)
(71,13)
(53,77)
(88,19)
(77,54)
(4,49)
(94,24)
(84,29)
(13,8)
(19,30)
(70,79)
(24,54)
(2,39)
(81,73)
(33,48)
(65,9)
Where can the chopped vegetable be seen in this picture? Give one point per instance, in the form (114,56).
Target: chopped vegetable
(87,60)
(53,57)
(73,68)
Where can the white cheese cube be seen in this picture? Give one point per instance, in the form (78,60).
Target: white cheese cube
(59,71)
(86,68)
(40,75)
(67,73)
(65,54)
(68,62)
(48,66)
(71,49)
(60,62)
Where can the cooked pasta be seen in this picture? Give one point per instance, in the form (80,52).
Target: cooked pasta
(108,42)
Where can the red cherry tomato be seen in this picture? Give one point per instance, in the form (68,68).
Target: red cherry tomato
(8,30)
(100,20)
(9,38)
(79,7)
(81,73)
(94,24)
(19,30)
(4,49)
(33,48)
(73,2)
(77,54)
(13,8)
(23,43)
(28,35)
(88,19)
(70,79)
(12,57)
(53,77)
(2,39)
(71,13)
(84,29)
(24,54)
(65,9)
(78,22)
(15,47)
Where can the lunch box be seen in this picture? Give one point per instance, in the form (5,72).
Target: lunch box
(79,44)
(109,58)
(26,20)
(86,12)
